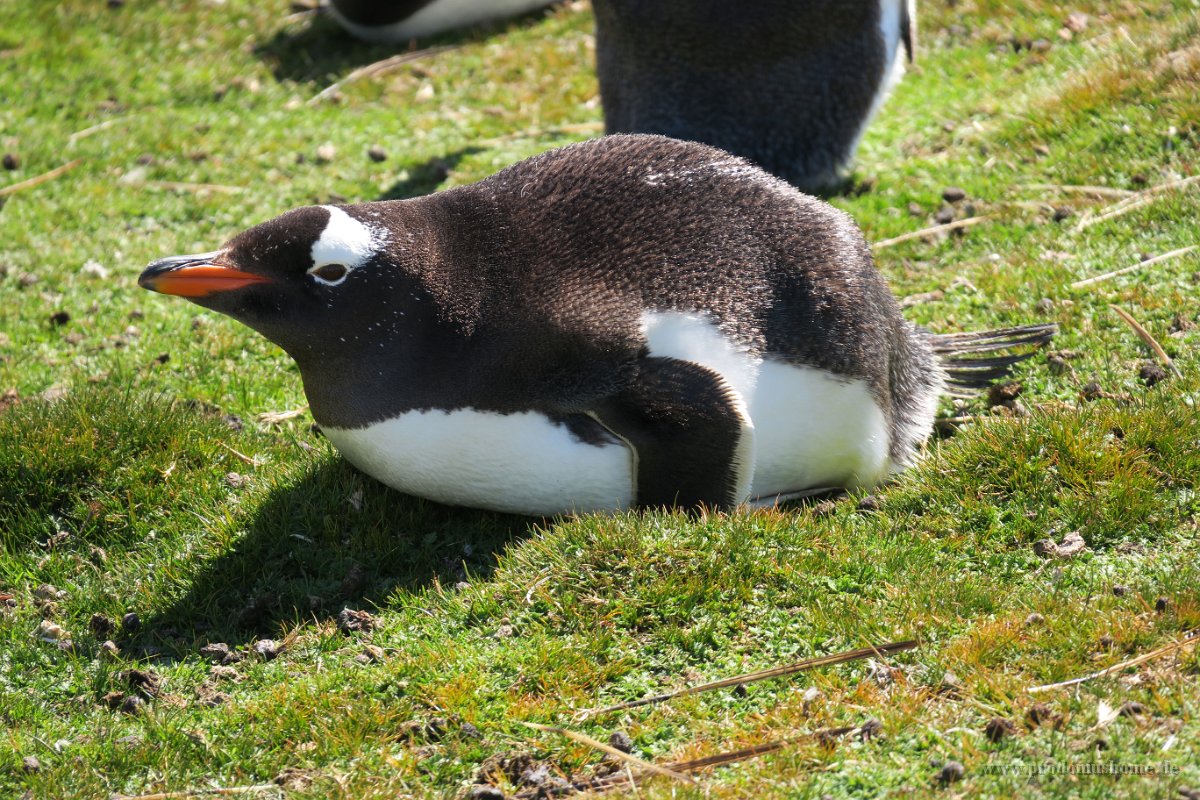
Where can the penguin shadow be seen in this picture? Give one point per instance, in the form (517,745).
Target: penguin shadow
(321,50)
(427,177)
(852,185)
(333,540)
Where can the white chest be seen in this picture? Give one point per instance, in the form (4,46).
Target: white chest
(518,463)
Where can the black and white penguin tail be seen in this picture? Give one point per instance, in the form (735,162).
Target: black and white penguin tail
(966,373)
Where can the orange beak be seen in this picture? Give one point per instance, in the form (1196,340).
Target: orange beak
(195,276)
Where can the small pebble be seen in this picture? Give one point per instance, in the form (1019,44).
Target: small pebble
(216,652)
(1003,394)
(620,740)
(1119,591)
(49,631)
(350,620)
(46,591)
(267,648)
(377,154)
(953,194)
(371,654)
(435,728)
(1151,373)
(869,503)
(997,728)
(915,210)
(1061,213)
(951,772)
(1131,709)
(30,764)
(12,161)
(131,622)
(326,153)
(144,681)
(944,216)
(1038,714)
(870,729)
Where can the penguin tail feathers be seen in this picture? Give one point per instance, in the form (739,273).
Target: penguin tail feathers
(966,371)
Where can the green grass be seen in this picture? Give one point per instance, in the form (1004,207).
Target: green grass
(120,494)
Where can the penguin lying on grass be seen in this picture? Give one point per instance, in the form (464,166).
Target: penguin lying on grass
(631,321)
(789,84)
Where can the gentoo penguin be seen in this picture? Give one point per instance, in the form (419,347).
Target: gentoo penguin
(789,84)
(401,20)
(631,321)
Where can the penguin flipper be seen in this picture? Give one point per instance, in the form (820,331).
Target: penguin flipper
(689,430)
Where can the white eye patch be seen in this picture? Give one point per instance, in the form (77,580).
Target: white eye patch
(345,242)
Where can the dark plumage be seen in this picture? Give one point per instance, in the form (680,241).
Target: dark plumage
(789,84)
(660,305)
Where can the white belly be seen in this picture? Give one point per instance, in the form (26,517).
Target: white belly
(802,428)
(518,463)
(439,16)
(815,430)
(809,428)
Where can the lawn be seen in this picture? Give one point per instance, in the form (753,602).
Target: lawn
(196,593)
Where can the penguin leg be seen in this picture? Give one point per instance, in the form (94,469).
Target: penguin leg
(692,438)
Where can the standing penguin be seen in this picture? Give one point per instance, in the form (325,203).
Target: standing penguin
(631,321)
(789,84)
(401,20)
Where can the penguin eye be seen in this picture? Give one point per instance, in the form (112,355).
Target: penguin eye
(331,273)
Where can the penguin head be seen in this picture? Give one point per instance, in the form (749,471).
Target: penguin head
(303,279)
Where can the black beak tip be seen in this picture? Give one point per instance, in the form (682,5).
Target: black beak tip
(162,266)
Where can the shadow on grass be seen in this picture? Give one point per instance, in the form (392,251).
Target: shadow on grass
(846,186)
(322,51)
(425,178)
(333,539)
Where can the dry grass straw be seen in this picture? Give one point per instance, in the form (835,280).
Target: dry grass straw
(648,766)
(1125,270)
(45,176)
(774,672)
(1189,639)
(1150,341)
(1135,202)
(936,229)
(379,68)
